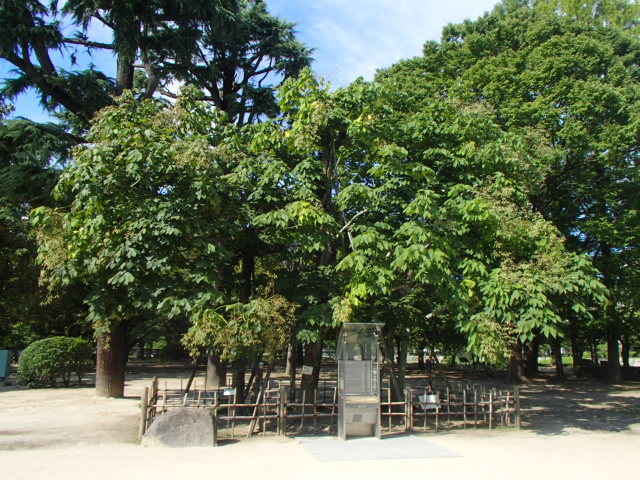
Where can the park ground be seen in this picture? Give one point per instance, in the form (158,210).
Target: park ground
(577,429)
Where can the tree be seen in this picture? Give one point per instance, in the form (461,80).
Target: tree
(242,331)
(31,159)
(389,202)
(569,86)
(619,13)
(147,225)
(233,49)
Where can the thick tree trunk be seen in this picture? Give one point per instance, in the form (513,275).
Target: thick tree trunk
(614,372)
(516,365)
(312,358)
(291,359)
(110,363)
(216,371)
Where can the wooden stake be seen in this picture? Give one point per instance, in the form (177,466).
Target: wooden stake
(304,401)
(142,428)
(335,404)
(282,409)
(490,409)
(516,394)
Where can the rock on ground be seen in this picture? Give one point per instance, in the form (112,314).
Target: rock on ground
(181,427)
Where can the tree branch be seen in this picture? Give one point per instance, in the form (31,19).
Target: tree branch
(60,95)
(353,219)
(88,43)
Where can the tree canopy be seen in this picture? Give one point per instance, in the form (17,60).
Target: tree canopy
(234,50)
(483,193)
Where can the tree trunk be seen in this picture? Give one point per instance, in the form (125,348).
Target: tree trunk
(421,364)
(593,346)
(396,392)
(216,371)
(614,373)
(557,354)
(576,352)
(312,358)
(110,363)
(403,343)
(531,357)
(238,379)
(626,351)
(291,367)
(516,365)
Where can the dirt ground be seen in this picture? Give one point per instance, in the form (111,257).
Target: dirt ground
(578,429)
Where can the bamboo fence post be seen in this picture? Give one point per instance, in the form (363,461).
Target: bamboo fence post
(154,390)
(233,413)
(475,407)
(256,413)
(425,409)
(390,407)
(214,419)
(304,401)
(508,409)
(142,428)
(282,411)
(407,408)
(438,406)
(516,394)
(335,404)
(448,392)
(490,409)
(315,410)
(464,409)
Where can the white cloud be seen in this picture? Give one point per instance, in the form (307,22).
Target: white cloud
(355,37)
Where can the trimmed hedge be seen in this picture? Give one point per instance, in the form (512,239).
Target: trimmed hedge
(46,361)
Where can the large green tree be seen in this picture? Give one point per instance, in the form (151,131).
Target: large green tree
(149,223)
(235,52)
(412,215)
(571,87)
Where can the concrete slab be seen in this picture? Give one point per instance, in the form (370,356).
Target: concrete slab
(332,449)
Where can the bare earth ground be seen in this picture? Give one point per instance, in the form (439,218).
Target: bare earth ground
(575,430)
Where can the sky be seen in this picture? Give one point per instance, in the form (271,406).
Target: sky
(353,38)
(350,38)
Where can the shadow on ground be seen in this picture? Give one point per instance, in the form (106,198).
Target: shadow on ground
(554,408)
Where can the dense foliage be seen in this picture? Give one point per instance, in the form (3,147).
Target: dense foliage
(568,87)
(46,361)
(479,198)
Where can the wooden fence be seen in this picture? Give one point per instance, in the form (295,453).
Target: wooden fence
(277,410)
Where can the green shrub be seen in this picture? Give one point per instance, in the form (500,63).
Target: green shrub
(45,361)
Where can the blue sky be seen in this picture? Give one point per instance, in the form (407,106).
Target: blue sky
(351,38)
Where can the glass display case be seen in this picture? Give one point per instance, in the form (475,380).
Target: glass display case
(358,356)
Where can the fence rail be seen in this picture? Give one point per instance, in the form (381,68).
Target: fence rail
(275,409)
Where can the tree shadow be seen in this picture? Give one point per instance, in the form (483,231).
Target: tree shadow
(555,408)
